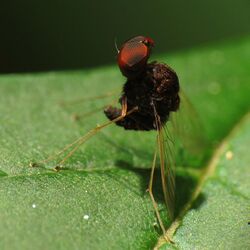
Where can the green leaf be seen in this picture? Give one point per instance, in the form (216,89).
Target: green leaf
(99,201)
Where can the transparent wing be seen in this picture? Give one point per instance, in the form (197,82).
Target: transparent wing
(188,128)
(165,144)
(167,164)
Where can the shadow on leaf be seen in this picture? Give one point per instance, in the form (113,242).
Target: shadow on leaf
(185,184)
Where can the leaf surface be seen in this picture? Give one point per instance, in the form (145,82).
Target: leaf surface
(99,201)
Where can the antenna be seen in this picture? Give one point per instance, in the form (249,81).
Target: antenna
(115,40)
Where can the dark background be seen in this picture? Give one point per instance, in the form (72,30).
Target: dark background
(53,35)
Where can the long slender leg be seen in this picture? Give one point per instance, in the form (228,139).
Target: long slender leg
(94,131)
(167,185)
(84,115)
(102,96)
(123,113)
(124,106)
(77,143)
(150,190)
(77,116)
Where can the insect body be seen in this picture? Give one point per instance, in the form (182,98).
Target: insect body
(154,92)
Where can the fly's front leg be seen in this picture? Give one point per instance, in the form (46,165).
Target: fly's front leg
(72,147)
(124,106)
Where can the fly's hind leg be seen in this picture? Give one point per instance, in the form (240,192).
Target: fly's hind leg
(150,191)
(155,205)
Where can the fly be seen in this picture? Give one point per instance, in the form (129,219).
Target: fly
(149,95)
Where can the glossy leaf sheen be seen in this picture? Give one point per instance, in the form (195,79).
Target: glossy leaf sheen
(106,179)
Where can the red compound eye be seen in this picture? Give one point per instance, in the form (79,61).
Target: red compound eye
(133,55)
